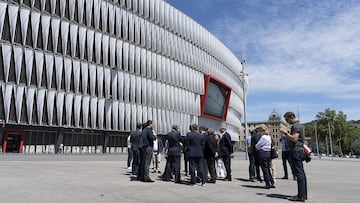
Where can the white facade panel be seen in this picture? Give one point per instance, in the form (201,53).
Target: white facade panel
(110,64)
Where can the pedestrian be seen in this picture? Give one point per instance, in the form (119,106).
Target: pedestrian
(130,153)
(146,143)
(251,155)
(210,154)
(254,140)
(204,132)
(285,157)
(174,140)
(225,150)
(134,139)
(297,155)
(264,148)
(157,151)
(196,145)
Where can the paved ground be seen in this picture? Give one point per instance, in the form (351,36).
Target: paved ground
(104,178)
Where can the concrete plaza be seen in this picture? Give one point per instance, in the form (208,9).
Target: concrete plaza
(104,178)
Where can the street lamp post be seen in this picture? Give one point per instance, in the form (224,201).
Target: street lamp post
(317,142)
(242,75)
(331,148)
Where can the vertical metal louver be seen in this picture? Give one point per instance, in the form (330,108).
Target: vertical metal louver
(115,115)
(76,75)
(82,43)
(45,27)
(108,114)
(89,11)
(93,112)
(97,6)
(121,116)
(40,99)
(18,57)
(3,7)
(90,44)
(111,14)
(24,19)
(84,77)
(19,95)
(30,96)
(80,11)
(13,16)
(85,111)
(50,100)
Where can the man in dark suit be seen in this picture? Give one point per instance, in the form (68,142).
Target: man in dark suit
(146,143)
(254,140)
(174,153)
(210,154)
(226,149)
(134,139)
(196,144)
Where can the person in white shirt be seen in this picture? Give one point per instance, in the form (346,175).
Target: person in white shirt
(130,154)
(157,151)
(264,148)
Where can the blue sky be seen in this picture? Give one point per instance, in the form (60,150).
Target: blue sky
(301,55)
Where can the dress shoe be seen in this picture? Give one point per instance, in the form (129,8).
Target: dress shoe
(149,181)
(228,178)
(285,177)
(211,181)
(296,199)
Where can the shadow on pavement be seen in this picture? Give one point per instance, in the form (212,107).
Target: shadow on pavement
(254,186)
(245,180)
(279,196)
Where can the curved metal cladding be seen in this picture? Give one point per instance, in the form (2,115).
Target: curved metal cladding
(97,64)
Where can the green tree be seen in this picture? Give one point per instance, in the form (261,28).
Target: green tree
(345,136)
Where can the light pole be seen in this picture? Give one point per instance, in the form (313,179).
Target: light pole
(243,75)
(331,148)
(317,142)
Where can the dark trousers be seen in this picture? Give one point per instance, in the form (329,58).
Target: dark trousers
(135,162)
(227,164)
(257,164)
(205,168)
(296,158)
(145,160)
(186,162)
(173,166)
(265,160)
(211,167)
(285,160)
(196,163)
(130,157)
(252,166)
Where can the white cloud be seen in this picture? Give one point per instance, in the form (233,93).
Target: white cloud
(314,49)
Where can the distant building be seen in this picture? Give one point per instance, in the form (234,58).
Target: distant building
(273,123)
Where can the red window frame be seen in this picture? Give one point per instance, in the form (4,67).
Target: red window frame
(207,79)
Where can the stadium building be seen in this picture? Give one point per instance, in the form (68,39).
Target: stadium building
(77,75)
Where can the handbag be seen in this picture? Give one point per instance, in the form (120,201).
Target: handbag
(307,151)
(273,153)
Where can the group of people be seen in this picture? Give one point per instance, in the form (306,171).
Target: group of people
(260,145)
(202,148)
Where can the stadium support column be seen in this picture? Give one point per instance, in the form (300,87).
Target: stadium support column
(106,141)
(59,140)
